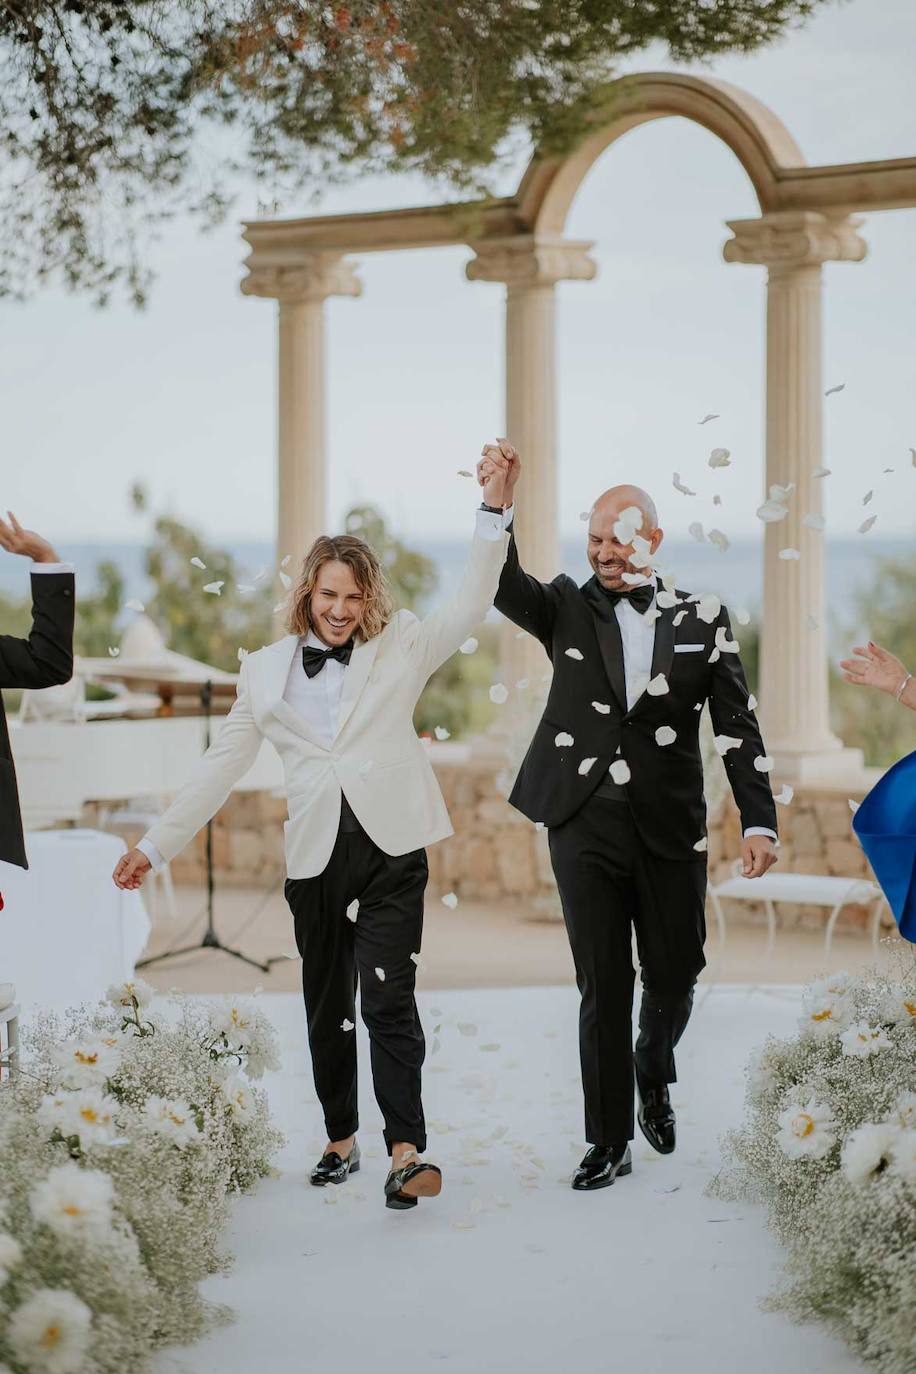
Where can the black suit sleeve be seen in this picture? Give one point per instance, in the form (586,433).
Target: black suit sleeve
(730,715)
(524,600)
(46,657)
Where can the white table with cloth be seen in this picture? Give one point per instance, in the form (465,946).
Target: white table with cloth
(66,931)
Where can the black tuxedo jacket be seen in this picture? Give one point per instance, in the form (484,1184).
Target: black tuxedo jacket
(42,660)
(665,790)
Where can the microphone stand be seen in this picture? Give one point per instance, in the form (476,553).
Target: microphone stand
(210,938)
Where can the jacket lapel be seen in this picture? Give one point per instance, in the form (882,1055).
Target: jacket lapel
(356,677)
(607,632)
(277,662)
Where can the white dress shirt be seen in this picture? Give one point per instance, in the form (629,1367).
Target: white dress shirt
(317,699)
(637,637)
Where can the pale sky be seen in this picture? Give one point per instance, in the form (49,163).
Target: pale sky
(181,396)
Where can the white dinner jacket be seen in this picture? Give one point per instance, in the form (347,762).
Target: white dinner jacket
(375,756)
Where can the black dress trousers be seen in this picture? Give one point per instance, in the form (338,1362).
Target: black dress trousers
(609,881)
(339,954)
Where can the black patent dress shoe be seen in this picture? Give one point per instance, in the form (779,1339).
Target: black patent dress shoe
(412,1181)
(331,1168)
(655,1116)
(601,1165)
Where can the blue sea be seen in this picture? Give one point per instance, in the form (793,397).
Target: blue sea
(736,576)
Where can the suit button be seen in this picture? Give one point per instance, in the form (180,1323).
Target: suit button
(67,591)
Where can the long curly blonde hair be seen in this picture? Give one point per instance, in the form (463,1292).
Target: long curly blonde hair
(378,606)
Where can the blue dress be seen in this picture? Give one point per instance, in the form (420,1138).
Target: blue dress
(885,824)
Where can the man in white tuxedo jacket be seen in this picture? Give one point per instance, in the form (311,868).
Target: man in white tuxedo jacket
(336,698)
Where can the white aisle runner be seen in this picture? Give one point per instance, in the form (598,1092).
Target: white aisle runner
(509,1271)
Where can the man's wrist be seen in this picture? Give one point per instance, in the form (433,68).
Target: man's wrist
(49,556)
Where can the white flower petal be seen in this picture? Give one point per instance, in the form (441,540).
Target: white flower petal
(352,909)
(380,974)
(346,1024)
(679,485)
(450,900)
(198,562)
(720,540)
(742,616)
(696,530)
(601,707)
(853,805)
(679,617)
(702,844)
(214,588)
(821,472)
(724,644)
(719,458)
(725,742)
(665,735)
(708,607)
(789,555)
(752,702)
(772,511)
(814,522)
(706,419)
(113,652)
(576,654)
(134,605)
(499,693)
(785,796)
(470,645)
(867,524)
(832,390)
(463,472)
(563,739)
(285,578)
(586,765)
(658,686)
(764,763)
(441,733)
(620,771)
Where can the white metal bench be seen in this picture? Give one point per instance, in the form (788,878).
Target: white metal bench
(810,889)
(9,1019)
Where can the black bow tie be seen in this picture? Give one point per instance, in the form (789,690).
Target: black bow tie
(313,660)
(640,598)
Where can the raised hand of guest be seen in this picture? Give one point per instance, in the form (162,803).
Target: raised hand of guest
(877,667)
(15,539)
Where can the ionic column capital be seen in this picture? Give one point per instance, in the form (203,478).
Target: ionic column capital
(792,239)
(312,278)
(531,260)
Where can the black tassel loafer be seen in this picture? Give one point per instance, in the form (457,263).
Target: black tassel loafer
(331,1168)
(601,1165)
(656,1119)
(422,1180)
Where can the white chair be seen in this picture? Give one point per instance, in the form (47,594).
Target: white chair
(810,889)
(9,1024)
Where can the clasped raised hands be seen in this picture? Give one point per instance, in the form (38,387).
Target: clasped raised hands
(498,471)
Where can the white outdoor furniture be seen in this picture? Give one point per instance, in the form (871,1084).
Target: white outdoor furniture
(67,932)
(809,889)
(9,1029)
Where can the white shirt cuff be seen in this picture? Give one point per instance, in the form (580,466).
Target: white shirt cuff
(152,853)
(508,515)
(52,568)
(489,524)
(759,830)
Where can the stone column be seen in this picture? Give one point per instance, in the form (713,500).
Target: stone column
(793,245)
(531,266)
(301,292)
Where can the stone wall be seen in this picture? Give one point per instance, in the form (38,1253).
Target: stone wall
(497,854)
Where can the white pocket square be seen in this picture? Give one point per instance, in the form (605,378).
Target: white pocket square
(688,648)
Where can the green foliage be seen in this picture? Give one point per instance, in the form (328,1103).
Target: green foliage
(412,576)
(119,114)
(862,717)
(456,696)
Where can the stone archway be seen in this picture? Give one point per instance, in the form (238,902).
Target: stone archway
(806,220)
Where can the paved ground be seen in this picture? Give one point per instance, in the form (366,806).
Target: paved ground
(509,1272)
(476,945)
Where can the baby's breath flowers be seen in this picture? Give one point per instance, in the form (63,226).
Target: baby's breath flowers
(122,1141)
(829,1146)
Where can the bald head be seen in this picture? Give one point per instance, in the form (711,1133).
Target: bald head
(610,540)
(618,499)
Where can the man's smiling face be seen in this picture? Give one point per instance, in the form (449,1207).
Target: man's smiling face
(608,555)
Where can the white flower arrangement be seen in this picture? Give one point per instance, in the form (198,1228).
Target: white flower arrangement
(113,1210)
(829,1147)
